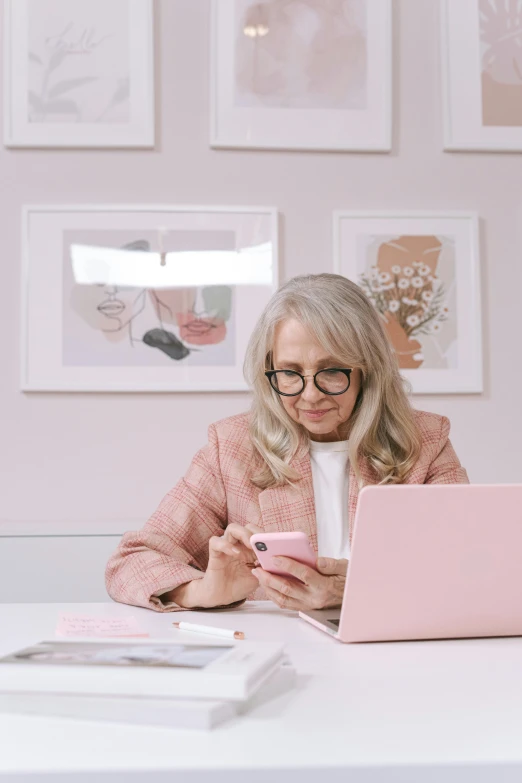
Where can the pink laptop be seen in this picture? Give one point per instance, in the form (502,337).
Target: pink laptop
(432,562)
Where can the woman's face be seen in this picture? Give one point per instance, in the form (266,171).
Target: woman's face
(107,308)
(323,415)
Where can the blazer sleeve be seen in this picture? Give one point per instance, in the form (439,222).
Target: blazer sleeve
(445,468)
(172,548)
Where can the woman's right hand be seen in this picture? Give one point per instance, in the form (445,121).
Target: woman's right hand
(228,577)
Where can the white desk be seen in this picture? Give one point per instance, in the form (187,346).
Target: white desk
(419,712)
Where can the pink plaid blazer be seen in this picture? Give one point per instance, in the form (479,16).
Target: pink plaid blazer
(172,548)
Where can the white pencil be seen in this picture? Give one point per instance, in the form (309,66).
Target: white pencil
(210,629)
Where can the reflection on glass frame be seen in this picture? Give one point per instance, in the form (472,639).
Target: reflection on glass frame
(301,74)
(78,74)
(482,74)
(421,271)
(108,336)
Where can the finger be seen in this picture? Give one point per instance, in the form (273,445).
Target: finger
(283,601)
(219,545)
(299,570)
(279,584)
(328,566)
(238,533)
(253,528)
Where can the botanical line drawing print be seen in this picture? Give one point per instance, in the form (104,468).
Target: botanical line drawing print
(78,68)
(501,62)
(183,324)
(402,282)
(301,54)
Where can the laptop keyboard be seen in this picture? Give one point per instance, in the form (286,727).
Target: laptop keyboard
(334,622)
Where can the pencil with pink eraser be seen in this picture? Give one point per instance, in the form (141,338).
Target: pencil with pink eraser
(211,630)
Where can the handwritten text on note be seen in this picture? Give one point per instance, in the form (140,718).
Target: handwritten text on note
(87,625)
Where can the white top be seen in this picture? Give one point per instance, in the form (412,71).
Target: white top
(330,474)
(448,711)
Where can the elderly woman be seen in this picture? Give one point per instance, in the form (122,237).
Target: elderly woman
(329,415)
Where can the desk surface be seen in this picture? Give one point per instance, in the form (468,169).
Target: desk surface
(417,711)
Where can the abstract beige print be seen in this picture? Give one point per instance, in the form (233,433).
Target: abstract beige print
(301,54)
(411,282)
(501,62)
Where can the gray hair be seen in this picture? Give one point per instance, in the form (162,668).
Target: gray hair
(345,323)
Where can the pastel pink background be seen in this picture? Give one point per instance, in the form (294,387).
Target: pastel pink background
(112,456)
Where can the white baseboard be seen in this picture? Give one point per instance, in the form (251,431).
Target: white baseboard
(85,527)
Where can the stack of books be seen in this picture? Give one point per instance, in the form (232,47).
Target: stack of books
(151,681)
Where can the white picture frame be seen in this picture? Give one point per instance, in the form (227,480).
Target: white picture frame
(436,333)
(481,58)
(101,338)
(331,108)
(53,97)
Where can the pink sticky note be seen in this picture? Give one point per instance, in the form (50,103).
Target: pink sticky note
(86,625)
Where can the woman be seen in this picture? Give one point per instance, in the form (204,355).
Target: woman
(329,415)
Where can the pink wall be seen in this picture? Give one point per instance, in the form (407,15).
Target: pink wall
(76,457)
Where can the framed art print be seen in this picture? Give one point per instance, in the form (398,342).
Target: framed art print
(143,298)
(78,74)
(301,74)
(421,272)
(482,74)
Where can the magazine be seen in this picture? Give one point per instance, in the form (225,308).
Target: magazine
(118,654)
(142,667)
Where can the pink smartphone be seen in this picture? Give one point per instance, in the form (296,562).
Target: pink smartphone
(293,545)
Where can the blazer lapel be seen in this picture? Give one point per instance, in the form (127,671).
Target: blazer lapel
(291,507)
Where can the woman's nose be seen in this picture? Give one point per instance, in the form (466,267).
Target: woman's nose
(310,392)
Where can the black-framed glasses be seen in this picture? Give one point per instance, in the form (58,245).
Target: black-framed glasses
(289,383)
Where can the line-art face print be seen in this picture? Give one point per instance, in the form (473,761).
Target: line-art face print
(179,323)
(116,310)
(121,305)
(200,314)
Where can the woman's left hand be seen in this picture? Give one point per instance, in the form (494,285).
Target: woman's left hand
(321,589)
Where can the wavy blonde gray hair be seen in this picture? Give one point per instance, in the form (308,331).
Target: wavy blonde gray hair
(382,424)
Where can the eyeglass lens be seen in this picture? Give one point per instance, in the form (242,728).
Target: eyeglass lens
(328,381)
